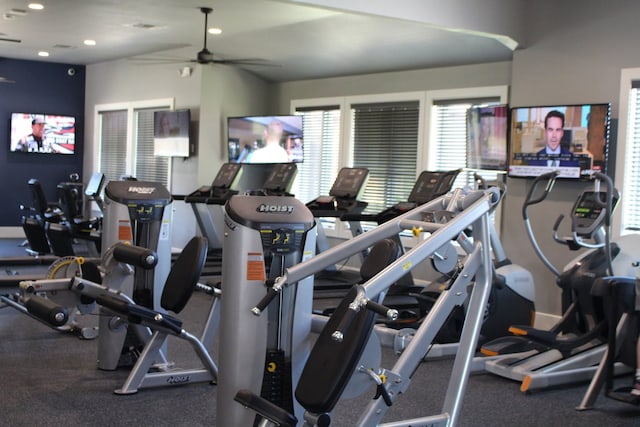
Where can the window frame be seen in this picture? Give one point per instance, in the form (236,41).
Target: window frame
(426,101)
(627,77)
(131,108)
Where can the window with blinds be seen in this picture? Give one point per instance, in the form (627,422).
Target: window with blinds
(631,205)
(113,144)
(385,141)
(321,152)
(129,152)
(450,144)
(147,166)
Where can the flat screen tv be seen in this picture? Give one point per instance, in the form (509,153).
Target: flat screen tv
(487,137)
(171,133)
(572,139)
(42,133)
(265,139)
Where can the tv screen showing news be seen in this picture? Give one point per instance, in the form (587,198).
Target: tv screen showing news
(571,139)
(42,133)
(487,137)
(265,139)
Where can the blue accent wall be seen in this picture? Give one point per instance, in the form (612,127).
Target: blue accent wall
(46,88)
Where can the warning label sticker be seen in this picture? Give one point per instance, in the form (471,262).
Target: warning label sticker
(255,266)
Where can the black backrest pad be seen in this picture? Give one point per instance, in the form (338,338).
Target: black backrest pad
(381,255)
(331,363)
(184,275)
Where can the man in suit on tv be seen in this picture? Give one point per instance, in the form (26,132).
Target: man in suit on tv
(553,154)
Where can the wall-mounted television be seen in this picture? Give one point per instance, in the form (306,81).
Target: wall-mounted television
(265,139)
(572,139)
(42,133)
(171,133)
(487,137)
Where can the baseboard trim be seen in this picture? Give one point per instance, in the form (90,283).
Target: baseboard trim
(11,233)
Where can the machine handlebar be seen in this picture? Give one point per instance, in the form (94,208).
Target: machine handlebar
(550,178)
(273,289)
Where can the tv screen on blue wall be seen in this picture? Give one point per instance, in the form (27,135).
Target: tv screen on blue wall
(42,133)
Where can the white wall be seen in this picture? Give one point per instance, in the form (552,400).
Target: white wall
(212,93)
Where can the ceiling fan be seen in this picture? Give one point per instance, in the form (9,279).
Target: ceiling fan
(205,56)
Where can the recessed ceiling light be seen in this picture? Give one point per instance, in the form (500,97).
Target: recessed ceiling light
(215,30)
(36,6)
(43,53)
(90,42)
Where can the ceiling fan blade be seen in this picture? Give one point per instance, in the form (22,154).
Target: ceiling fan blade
(247,61)
(6,80)
(7,39)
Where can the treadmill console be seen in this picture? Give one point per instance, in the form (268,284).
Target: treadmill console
(220,189)
(280,180)
(343,196)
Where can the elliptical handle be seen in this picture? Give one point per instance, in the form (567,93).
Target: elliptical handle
(608,203)
(550,178)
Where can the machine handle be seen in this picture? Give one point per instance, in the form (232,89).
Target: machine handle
(345,322)
(608,203)
(550,177)
(135,255)
(389,313)
(272,291)
(382,391)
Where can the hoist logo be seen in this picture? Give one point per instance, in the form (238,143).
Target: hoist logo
(142,190)
(264,208)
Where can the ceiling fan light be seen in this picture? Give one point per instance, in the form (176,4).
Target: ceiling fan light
(215,31)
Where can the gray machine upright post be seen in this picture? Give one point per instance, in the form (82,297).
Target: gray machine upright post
(263,235)
(134,212)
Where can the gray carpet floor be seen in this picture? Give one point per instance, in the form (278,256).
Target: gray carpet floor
(49,378)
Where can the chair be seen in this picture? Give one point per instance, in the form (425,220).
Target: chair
(179,286)
(37,216)
(70,201)
(45,210)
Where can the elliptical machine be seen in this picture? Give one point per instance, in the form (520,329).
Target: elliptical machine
(568,351)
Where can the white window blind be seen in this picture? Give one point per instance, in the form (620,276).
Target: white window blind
(631,193)
(113,144)
(147,166)
(451,138)
(126,141)
(321,126)
(385,140)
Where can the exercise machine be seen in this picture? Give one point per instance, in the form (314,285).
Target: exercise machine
(343,199)
(72,200)
(569,351)
(618,294)
(152,327)
(335,359)
(428,186)
(135,212)
(264,235)
(207,203)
